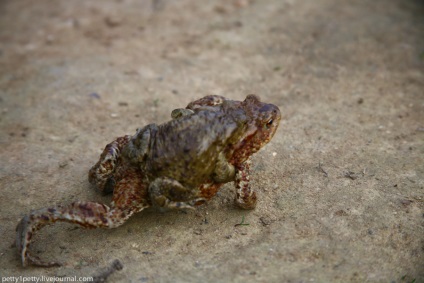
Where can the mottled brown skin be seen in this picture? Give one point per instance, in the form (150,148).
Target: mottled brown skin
(176,165)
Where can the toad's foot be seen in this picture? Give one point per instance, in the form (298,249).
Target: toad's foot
(129,197)
(209,100)
(101,174)
(245,196)
(24,232)
(170,194)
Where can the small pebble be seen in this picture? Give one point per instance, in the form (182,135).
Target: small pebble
(94,95)
(113,21)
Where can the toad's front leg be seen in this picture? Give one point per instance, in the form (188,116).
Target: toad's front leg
(245,195)
(129,197)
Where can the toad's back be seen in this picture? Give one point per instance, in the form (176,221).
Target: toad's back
(186,149)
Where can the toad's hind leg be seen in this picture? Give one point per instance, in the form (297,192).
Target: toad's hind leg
(129,197)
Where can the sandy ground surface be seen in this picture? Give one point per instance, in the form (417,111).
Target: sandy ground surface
(340,185)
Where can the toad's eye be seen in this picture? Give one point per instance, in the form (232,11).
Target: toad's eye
(269,123)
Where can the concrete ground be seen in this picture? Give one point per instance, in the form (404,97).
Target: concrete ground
(341,185)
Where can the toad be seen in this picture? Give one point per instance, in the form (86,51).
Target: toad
(176,165)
